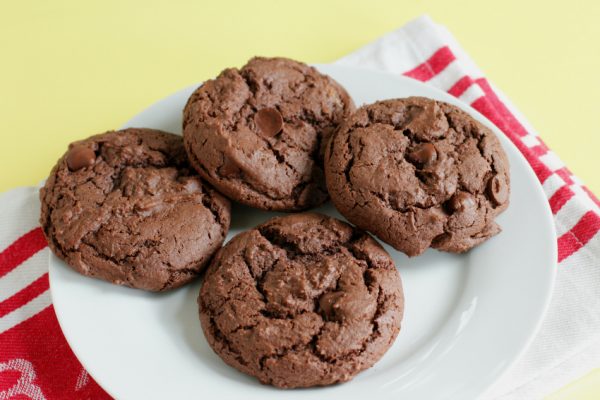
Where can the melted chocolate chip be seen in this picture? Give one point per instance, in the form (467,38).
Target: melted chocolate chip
(80,157)
(460,202)
(497,189)
(424,154)
(268,121)
(327,303)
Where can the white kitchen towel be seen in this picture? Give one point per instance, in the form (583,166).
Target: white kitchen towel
(568,343)
(566,347)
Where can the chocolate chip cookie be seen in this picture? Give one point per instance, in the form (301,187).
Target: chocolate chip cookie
(418,173)
(126,207)
(257,133)
(301,300)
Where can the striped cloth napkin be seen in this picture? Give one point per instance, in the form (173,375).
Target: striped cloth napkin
(37,363)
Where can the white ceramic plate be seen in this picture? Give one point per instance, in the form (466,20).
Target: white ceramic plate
(468,317)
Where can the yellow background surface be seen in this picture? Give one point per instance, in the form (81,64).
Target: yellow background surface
(69,69)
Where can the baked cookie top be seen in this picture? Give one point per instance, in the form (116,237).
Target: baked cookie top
(126,207)
(257,133)
(418,173)
(301,300)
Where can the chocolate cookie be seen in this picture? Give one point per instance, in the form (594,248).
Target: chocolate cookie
(418,173)
(256,133)
(125,207)
(301,300)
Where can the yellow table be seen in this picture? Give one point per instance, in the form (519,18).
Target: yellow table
(69,69)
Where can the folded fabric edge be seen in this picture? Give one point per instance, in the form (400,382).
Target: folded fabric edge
(554,378)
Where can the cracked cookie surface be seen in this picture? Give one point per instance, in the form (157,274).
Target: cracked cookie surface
(126,207)
(301,300)
(257,133)
(418,173)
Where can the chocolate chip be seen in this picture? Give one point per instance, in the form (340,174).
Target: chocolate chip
(460,202)
(497,189)
(424,154)
(79,157)
(268,121)
(327,303)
